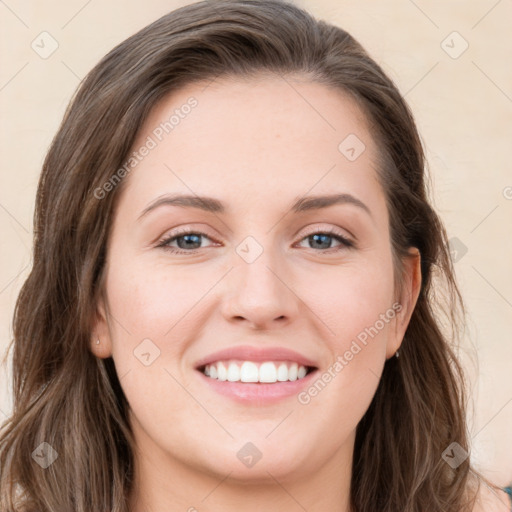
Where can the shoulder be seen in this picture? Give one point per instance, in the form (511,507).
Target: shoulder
(492,500)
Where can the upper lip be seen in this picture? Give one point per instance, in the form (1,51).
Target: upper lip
(248,353)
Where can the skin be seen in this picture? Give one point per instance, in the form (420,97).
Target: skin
(296,294)
(489,499)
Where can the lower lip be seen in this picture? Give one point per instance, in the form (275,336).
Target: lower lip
(258,393)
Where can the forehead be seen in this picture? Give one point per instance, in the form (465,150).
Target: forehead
(262,138)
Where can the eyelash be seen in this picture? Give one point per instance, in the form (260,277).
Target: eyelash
(345,242)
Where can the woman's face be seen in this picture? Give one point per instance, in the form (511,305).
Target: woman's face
(264,274)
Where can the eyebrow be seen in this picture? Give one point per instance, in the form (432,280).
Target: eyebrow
(212,205)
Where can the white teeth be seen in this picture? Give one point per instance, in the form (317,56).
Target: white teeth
(292,372)
(249,371)
(268,372)
(282,373)
(222,372)
(233,372)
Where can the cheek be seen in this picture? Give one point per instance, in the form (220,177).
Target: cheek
(366,313)
(152,310)
(154,299)
(158,311)
(152,320)
(357,308)
(350,298)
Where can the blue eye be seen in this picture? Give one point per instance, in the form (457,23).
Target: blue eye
(323,239)
(189,242)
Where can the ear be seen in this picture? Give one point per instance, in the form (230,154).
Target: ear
(408,298)
(101,330)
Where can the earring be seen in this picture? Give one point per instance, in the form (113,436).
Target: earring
(98,341)
(397,354)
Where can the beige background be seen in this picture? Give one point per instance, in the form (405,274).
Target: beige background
(462,103)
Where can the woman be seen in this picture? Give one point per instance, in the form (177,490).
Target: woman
(231,304)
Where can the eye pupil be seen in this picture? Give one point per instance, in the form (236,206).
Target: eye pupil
(187,238)
(317,235)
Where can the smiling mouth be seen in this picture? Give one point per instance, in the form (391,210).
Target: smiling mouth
(265,372)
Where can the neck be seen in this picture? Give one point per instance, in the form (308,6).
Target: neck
(165,483)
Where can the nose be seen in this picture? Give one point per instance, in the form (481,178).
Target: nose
(259,295)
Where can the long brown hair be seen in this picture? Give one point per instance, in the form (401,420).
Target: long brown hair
(73,401)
